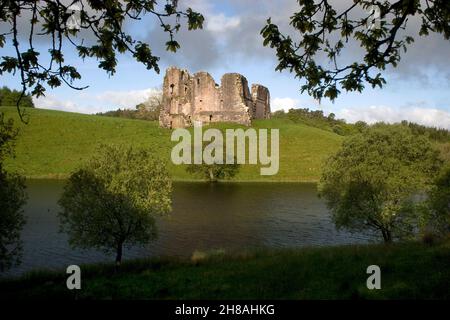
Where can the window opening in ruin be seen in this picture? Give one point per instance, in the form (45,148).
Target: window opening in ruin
(210,117)
(171,88)
(198,81)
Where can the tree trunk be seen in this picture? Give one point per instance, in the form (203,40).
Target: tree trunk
(119,255)
(211,175)
(387,236)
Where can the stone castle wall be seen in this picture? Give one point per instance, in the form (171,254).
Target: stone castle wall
(188,98)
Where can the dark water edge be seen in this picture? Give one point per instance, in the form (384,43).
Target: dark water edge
(228,216)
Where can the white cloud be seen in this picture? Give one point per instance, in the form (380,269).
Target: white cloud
(222,23)
(215,22)
(52,102)
(426,116)
(92,103)
(125,99)
(284,104)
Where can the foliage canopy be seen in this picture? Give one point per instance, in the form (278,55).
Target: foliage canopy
(325,31)
(113,200)
(12,199)
(375,180)
(95,29)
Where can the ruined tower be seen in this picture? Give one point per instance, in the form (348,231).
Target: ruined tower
(188,98)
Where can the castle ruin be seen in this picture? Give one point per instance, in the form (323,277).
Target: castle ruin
(188,98)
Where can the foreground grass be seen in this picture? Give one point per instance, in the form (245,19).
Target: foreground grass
(408,271)
(54,143)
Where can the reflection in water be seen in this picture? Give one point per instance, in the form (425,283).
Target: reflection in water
(226,216)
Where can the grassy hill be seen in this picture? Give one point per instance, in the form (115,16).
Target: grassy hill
(54,143)
(408,271)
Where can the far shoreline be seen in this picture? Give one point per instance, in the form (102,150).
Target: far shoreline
(65,177)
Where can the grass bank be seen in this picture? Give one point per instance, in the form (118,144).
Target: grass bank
(54,143)
(408,271)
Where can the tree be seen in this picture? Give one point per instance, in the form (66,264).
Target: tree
(361,126)
(325,32)
(112,201)
(150,109)
(214,172)
(12,199)
(147,110)
(439,204)
(8,135)
(10,97)
(95,29)
(374,180)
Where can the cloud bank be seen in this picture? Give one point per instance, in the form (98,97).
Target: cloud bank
(232,31)
(426,116)
(101,102)
(431,117)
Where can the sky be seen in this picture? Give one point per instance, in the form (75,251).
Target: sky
(417,90)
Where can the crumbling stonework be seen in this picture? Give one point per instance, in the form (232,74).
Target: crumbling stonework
(188,98)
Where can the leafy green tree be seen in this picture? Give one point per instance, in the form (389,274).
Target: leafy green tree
(373,182)
(147,110)
(316,118)
(8,135)
(12,199)
(214,172)
(10,97)
(433,133)
(439,204)
(151,108)
(279,114)
(95,29)
(325,32)
(112,201)
(361,126)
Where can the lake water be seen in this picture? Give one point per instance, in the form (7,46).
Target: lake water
(228,216)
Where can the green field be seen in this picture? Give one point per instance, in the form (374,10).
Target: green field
(408,271)
(54,143)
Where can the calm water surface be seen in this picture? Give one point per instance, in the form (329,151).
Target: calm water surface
(205,217)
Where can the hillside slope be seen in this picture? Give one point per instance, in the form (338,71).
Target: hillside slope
(54,143)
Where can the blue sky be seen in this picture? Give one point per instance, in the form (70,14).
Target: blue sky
(418,90)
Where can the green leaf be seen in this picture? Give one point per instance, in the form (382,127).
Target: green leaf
(172,45)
